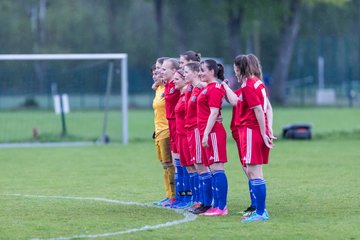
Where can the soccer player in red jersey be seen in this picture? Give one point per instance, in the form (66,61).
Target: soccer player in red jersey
(193,176)
(192,75)
(169,68)
(182,144)
(254,129)
(213,138)
(256,70)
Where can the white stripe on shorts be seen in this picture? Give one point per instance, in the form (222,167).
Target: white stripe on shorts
(198,146)
(248,145)
(215,147)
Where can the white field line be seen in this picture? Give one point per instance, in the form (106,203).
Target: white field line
(188,217)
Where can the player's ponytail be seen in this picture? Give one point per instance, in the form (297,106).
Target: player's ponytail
(220,72)
(192,56)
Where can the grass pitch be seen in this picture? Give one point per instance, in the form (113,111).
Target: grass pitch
(313,188)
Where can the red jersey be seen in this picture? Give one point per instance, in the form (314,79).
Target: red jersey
(188,92)
(180,115)
(171,98)
(211,96)
(253,93)
(234,123)
(191,109)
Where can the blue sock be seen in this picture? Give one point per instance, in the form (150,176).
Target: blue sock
(214,193)
(179,180)
(259,189)
(193,186)
(221,187)
(252,196)
(205,179)
(199,192)
(186,185)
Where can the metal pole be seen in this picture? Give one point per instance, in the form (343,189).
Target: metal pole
(124,99)
(105,137)
(63,123)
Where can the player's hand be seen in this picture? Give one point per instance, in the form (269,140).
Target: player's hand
(154,86)
(271,135)
(267,141)
(204,141)
(219,119)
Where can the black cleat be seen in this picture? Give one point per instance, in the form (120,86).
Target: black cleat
(201,209)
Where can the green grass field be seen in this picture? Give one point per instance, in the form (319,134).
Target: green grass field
(17,126)
(313,186)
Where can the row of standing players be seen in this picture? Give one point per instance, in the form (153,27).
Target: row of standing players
(190,138)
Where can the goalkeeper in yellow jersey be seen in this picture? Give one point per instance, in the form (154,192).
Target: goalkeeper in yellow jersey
(162,135)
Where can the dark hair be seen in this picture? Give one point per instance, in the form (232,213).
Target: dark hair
(153,67)
(255,66)
(161,60)
(194,66)
(174,63)
(242,62)
(191,55)
(181,73)
(217,67)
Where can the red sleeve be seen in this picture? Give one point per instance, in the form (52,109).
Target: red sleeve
(250,96)
(216,96)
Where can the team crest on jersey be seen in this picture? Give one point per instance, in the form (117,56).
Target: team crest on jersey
(190,87)
(204,91)
(193,98)
(172,90)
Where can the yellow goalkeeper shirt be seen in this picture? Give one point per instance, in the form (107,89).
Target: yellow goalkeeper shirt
(160,121)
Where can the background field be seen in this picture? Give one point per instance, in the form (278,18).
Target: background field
(87,125)
(313,186)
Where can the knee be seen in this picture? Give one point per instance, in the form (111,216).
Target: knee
(168,166)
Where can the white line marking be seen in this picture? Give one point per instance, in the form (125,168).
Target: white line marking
(188,217)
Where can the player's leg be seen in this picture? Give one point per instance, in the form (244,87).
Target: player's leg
(205,185)
(248,211)
(163,154)
(217,150)
(255,155)
(259,187)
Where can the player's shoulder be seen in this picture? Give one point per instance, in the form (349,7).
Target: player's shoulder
(252,82)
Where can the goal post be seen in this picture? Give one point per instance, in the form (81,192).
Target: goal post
(116,57)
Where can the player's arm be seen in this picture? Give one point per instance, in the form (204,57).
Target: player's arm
(260,117)
(269,114)
(214,112)
(230,96)
(155,85)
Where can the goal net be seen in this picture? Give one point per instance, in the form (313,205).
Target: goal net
(93,87)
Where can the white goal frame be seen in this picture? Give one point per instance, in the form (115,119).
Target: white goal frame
(123,57)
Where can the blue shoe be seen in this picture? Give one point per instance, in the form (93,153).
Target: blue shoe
(266,214)
(183,205)
(159,203)
(255,218)
(168,202)
(174,203)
